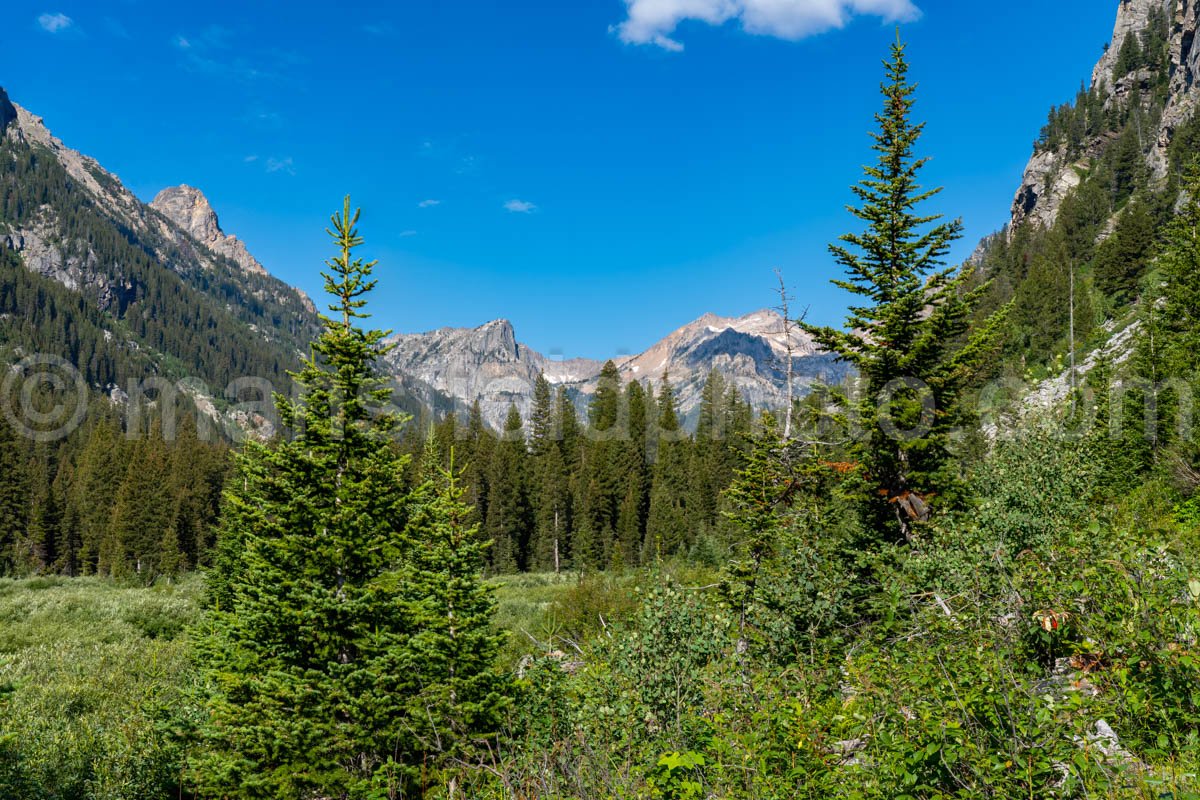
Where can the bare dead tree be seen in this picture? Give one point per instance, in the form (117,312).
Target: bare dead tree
(789,326)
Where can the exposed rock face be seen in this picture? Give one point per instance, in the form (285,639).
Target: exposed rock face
(468,364)
(1050,176)
(1132,18)
(8,113)
(488,364)
(750,352)
(1044,186)
(188,208)
(1185,68)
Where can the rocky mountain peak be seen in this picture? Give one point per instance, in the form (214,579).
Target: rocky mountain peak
(189,209)
(8,113)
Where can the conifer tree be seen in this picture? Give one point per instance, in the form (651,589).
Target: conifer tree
(509,521)
(306,647)
(1122,258)
(667,525)
(14,495)
(450,660)
(1129,57)
(904,339)
(1180,300)
(140,541)
(710,469)
(600,486)
(755,498)
(477,457)
(100,470)
(550,490)
(566,420)
(631,514)
(38,550)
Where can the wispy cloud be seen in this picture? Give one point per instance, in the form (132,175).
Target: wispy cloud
(212,51)
(429,203)
(520,206)
(285,165)
(407,234)
(250,159)
(379,28)
(54,23)
(654,21)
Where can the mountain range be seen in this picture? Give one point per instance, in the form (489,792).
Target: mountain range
(179,235)
(487,364)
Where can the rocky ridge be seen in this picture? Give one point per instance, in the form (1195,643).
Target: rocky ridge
(488,364)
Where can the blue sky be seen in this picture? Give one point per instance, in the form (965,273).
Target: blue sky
(597,171)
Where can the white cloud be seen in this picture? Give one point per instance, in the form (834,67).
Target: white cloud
(54,23)
(429,203)
(281,165)
(653,21)
(520,207)
(250,159)
(407,234)
(182,42)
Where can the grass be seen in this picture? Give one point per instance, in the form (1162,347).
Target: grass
(84,664)
(95,673)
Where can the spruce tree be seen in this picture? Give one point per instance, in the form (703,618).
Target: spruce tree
(631,514)
(1180,297)
(100,470)
(550,489)
(509,521)
(450,660)
(140,541)
(1122,258)
(756,505)
(667,525)
(306,648)
(14,496)
(906,338)
(477,459)
(710,469)
(600,487)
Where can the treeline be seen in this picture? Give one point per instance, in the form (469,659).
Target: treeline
(624,486)
(102,502)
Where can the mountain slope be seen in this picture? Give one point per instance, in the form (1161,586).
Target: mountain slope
(185,309)
(1105,179)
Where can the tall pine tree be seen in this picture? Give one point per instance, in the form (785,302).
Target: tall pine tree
(906,338)
(307,649)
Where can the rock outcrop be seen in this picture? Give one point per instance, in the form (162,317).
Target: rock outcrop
(189,209)
(8,112)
